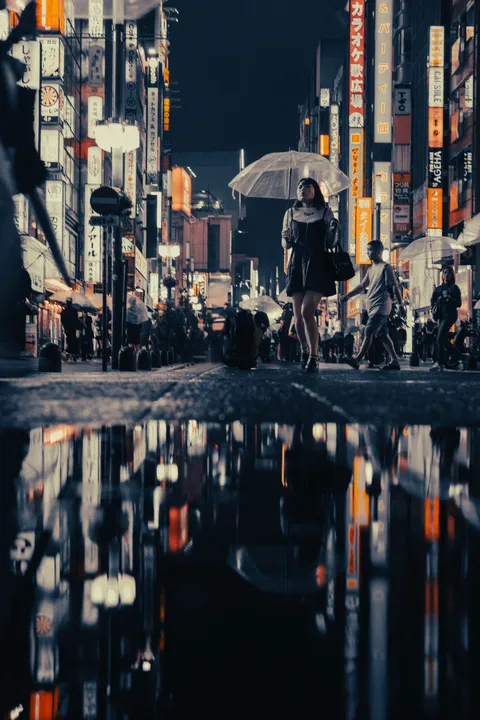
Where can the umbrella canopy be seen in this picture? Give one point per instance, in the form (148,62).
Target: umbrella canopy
(97,300)
(137,312)
(79,300)
(477,305)
(471,232)
(277,175)
(265,304)
(431,247)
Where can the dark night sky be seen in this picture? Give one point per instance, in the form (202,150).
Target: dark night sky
(243,68)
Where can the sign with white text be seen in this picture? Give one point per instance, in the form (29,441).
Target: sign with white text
(383,71)
(357,64)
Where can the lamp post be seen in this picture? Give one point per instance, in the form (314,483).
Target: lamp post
(117,138)
(170,252)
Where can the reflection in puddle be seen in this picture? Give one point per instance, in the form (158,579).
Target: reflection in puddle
(171,568)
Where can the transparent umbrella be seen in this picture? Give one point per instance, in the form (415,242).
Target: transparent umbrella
(471,232)
(79,300)
(277,175)
(97,300)
(265,304)
(431,247)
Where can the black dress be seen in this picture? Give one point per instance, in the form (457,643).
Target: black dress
(310,267)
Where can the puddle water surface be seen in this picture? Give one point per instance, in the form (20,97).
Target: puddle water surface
(172,570)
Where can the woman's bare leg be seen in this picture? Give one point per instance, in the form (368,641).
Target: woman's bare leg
(309,306)
(299,325)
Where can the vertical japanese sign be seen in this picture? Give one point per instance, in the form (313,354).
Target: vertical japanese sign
(436,88)
(334,148)
(153,96)
(334,134)
(54,202)
(383,195)
(93,242)
(131,44)
(95,18)
(94,165)
(355,173)
(364,216)
(383,71)
(95,114)
(29,54)
(357,64)
(401,203)
(130,176)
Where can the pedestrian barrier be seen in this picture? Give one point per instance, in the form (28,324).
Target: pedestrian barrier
(143,360)
(127,360)
(50,358)
(156,358)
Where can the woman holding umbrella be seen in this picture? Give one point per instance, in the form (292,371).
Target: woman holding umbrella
(309,229)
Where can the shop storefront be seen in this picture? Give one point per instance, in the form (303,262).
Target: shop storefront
(45,326)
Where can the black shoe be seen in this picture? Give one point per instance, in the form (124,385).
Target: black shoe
(312,365)
(353,363)
(392,366)
(304,359)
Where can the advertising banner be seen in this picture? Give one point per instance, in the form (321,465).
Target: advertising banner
(383,195)
(152,136)
(55,204)
(182,191)
(93,242)
(334,134)
(53,58)
(383,71)
(95,18)
(95,113)
(355,173)
(94,165)
(130,176)
(51,148)
(364,218)
(131,45)
(51,104)
(436,90)
(357,64)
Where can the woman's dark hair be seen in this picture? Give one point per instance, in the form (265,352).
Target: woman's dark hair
(318,200)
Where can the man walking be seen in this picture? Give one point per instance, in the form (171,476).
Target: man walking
(71,323)
(381,287)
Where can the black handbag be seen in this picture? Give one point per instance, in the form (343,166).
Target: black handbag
(342,267)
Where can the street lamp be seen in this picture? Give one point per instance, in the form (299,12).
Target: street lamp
(117,138)
(112,135)
(169,251)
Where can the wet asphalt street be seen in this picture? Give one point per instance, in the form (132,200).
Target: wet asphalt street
(200,542)
(275,393)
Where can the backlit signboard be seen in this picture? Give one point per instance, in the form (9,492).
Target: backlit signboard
(383,71)
(357,64)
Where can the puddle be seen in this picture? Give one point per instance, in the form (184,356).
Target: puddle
(170,569)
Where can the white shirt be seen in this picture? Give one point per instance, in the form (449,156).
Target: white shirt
(304,215)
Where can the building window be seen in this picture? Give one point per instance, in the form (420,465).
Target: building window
(213,248)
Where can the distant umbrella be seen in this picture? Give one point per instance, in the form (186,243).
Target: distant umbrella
(431,247)
(471,232)
(97,300)
(277,175)
(79,300)
(265,304)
